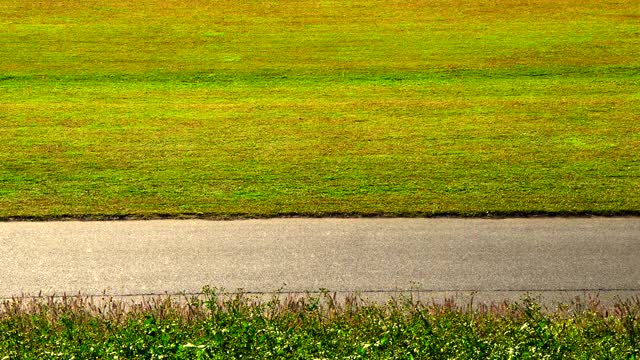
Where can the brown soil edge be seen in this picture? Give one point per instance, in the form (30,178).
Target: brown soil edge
(344,215)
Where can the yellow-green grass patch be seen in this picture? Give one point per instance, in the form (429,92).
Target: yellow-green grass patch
(271,108)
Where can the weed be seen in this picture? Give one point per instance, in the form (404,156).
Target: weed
(216,325)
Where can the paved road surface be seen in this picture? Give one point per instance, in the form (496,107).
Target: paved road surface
(498,258)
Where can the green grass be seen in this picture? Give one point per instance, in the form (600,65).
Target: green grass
(270,108)
(314,327)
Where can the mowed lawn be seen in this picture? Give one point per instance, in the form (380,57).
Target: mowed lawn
(306,107)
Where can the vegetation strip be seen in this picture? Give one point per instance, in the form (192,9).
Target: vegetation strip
(314,326)
(232,109)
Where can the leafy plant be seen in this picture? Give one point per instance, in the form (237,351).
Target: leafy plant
(216,325)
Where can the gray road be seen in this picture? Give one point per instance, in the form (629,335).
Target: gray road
(498,258)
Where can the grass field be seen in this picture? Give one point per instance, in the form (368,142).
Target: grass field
(270,108)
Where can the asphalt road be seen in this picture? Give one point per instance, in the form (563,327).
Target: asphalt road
(492,259)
